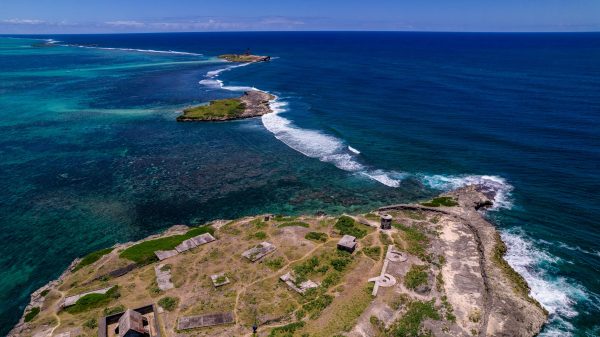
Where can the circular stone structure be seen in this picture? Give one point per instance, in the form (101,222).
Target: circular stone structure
(386,281)
(396,256)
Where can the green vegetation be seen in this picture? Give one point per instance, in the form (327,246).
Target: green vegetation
(294,223)
(274,263)
(373,252)
(286,330)
(347,226)
(221,279)
(385,239)
(449,310)
(280,217)
(143,253)
(519,284)
(410,323)
(240,57)
(218,109)
(45,292)
(416,276)
(316,236)
(441,201)
(416,241)
(92,257)
(260,235)
(475,316)
(93,301)
(31,314)
(91,323)
(316,306)
(372,216)
(168,303)
(114,310)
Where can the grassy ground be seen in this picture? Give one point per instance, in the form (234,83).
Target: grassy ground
(92,257)
(238,57)
(143,253)
(218,109)
(441,201)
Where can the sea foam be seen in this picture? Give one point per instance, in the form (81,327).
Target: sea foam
(497,185)
(326,148)
(556,294)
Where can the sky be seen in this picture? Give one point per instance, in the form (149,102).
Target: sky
(133,16)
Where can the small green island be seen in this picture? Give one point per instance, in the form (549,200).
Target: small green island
(244,58)
(252,103)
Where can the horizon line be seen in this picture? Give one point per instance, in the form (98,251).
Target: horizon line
(313,31)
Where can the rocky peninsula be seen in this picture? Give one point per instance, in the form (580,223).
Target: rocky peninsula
(434,268)
(252,103)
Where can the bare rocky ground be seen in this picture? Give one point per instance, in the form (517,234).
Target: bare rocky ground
(463,280)
(256,103)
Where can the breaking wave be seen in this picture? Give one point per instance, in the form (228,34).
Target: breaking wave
(211,80)
(558,295)
(324,147)
(152,51)
(498,186)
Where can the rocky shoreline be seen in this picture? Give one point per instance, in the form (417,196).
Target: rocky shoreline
(244,58)
(467,281)
(252,103)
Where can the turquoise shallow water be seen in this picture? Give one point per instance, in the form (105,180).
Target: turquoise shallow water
(91,155)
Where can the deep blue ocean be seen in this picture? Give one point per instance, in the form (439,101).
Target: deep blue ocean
(91,155)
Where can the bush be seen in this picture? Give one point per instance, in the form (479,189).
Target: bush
(409,324)
(316,306)
(168,303)
(286,330)
(274,263)
(31,314)
(260,235)
(373,252)
(416,276)
(416,241)
(347,226)
(441,201)
(92,257)
(316,236)
(93,301)
(143,253)
(114,310)
(91,323)
(294,223)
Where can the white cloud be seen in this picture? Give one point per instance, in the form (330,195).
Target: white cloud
(125,23)
(23,21)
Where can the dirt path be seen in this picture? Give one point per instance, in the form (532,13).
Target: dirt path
(274,274)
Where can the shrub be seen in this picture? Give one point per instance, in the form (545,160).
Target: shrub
(373,252)
(274,263)
(92,301)
(143,253)
(409,324)
(441,201)
(416,241)
(316,306)
(114,310)
(286,330)
(347,226)
(92,257)
(416,276)
(260,235)
(168,303)
(294,223)
(91,323)
(316,236)
(31,314)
